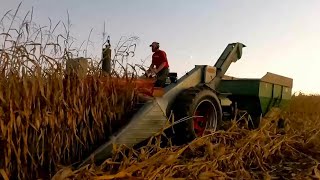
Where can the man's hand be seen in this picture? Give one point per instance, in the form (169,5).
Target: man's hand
(154,70)
(150,72)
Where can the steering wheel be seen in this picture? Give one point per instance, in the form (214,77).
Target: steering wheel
(147,74)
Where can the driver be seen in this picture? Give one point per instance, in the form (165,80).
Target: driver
(159,65)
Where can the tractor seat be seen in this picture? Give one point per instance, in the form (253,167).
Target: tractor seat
(173,77)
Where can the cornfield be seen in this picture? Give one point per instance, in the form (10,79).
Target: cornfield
(50,117)
(51,120)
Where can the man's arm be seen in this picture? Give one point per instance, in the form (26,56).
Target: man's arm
(160,67)
(151,67)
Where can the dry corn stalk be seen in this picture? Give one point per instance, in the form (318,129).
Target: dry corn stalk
(47,117)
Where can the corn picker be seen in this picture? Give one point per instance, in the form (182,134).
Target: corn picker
(199,101)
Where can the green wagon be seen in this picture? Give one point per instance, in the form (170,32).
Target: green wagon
(256,96)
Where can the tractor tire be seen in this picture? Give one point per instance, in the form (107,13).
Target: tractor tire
(195,101)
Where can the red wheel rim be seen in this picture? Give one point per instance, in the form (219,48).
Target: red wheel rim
(199,124)
(205,117)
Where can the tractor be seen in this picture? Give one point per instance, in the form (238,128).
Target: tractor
(199,101)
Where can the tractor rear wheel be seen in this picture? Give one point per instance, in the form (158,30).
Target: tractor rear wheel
(202,108)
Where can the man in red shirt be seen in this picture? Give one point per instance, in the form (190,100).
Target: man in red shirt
(159,65)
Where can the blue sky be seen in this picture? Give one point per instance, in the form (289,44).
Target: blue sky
(281,36)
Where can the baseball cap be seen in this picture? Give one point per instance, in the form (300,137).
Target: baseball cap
(154,43)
